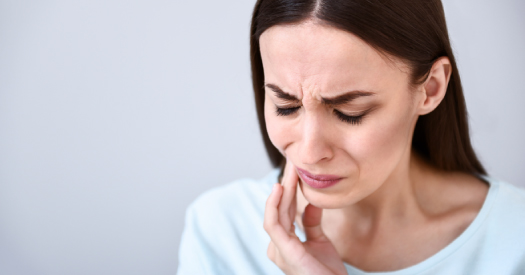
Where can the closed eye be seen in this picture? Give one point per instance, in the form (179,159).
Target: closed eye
(354,120)
(287,111)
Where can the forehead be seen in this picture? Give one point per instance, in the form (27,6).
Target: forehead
(328,58)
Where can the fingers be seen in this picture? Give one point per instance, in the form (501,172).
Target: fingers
(292,212)
(287,207)
(272,224)
(312,223)
(271,252)
(285,249)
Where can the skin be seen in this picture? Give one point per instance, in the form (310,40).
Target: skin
(391,209)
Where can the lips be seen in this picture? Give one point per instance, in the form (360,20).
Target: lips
(318,181)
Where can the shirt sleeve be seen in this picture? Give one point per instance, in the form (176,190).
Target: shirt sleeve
(196,255)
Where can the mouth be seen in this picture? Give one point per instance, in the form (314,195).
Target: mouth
(318,181)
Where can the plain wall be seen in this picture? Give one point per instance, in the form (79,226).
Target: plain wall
(115,115)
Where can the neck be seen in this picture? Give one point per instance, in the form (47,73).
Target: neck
(398,192)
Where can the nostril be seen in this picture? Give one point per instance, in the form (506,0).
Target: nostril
(313,153)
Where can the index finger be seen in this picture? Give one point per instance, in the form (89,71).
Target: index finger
(289,183)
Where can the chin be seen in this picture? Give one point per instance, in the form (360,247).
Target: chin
(323,200)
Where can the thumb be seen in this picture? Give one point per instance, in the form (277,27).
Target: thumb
(312,223)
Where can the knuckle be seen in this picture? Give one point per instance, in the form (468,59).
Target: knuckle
(267,227)
(270,252)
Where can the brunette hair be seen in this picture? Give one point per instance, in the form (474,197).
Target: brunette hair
(412,30)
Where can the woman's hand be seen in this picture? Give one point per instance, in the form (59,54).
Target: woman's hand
(316,256)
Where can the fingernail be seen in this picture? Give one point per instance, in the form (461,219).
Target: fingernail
(274,187)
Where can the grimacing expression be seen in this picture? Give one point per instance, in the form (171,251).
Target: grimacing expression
(363,136)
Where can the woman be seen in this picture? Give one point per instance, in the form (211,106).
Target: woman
(361,106)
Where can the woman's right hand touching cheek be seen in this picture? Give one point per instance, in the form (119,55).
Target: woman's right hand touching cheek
(317,255)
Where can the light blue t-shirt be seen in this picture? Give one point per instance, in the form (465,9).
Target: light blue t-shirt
(224,234)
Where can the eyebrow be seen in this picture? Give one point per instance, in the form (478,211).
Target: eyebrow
(338,100)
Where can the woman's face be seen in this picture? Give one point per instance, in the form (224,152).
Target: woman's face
(335,106)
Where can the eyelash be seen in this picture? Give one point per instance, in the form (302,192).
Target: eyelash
(354,120)
(286,111)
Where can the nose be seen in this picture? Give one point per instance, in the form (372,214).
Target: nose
(315,144)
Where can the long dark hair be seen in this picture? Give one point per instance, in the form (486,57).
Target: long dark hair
(412,30)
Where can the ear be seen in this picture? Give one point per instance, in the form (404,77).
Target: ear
(435,87)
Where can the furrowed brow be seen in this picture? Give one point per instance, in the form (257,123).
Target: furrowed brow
(345,98)
(281,94)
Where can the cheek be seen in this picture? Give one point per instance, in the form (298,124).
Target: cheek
(380,145)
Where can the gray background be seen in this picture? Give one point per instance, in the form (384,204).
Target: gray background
(115,115)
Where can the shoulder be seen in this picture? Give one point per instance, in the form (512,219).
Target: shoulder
(509,203)
(505,223)
(234,211)
(499,242)
(223,231)
(469,195)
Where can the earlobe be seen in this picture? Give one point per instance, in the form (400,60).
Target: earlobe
(435,87)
